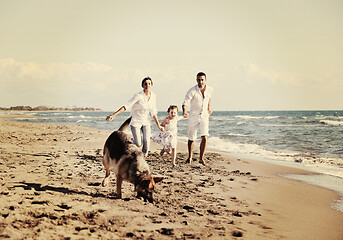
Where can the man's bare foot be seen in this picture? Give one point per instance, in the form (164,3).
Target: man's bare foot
(189,160)
(202,162)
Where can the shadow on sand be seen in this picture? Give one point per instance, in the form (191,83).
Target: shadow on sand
(39,188)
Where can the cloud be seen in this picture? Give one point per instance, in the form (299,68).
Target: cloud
(55,84)
(83,84)
(14,72)
(108,87)
(254,73)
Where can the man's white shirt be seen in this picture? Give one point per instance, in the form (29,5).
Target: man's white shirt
(197,102)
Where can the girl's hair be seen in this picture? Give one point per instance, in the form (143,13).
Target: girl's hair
(146,79)
(171,107)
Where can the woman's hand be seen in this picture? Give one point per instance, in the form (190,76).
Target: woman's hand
(109,117)
(161,128)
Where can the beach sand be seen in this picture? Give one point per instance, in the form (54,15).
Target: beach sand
(50,188)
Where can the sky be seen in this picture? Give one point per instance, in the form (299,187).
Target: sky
(257,54)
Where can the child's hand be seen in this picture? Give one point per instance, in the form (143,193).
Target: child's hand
(161,128)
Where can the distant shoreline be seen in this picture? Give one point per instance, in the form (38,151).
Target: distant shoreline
(50,109)
(91,109)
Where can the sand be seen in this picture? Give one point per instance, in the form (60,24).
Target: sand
(50,188)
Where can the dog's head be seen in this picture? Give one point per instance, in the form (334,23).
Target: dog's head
(146,187)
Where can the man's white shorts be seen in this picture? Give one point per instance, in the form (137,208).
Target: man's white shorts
(196,122)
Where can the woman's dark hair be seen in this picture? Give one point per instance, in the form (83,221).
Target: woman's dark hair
(146,79)
(171,107)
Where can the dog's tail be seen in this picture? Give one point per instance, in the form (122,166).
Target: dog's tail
(125,124)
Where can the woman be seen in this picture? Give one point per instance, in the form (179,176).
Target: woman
(142,104)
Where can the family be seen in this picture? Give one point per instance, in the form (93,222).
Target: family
(143,103)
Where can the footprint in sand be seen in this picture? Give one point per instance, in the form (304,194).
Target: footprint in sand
(96,184)
(237,234)
(40,202)
(188,208)
(213,212)
(64,206)
(166,231)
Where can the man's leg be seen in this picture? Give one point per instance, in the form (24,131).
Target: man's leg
(190,150)
(204,131)
(203,145)
(193,124)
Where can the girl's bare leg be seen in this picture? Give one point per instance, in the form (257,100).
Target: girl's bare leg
(173,156)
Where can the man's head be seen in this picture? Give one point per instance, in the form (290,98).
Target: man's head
(201,79)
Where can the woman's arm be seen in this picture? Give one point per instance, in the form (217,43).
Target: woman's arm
(157,123)
(126,106)
(119,111)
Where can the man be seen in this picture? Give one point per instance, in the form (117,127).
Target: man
(199,99)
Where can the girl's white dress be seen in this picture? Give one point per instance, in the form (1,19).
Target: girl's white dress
(168,138)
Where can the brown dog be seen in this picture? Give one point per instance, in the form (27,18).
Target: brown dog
(128,163)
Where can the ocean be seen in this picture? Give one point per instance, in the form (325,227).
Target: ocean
(311,140)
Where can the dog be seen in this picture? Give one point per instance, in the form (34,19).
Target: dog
(129,164)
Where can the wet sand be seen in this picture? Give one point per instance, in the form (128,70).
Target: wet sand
(50,188)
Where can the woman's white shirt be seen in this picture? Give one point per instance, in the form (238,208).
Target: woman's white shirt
(141,107)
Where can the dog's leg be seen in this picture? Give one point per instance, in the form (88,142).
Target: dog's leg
(119,182)
(106,162)
(107,177)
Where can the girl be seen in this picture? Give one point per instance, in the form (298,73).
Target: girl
(168,138)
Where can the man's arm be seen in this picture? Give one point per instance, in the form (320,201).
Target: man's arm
(186,102)
(209,108)
(184,111)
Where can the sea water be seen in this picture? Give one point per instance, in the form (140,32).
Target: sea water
(311,140)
